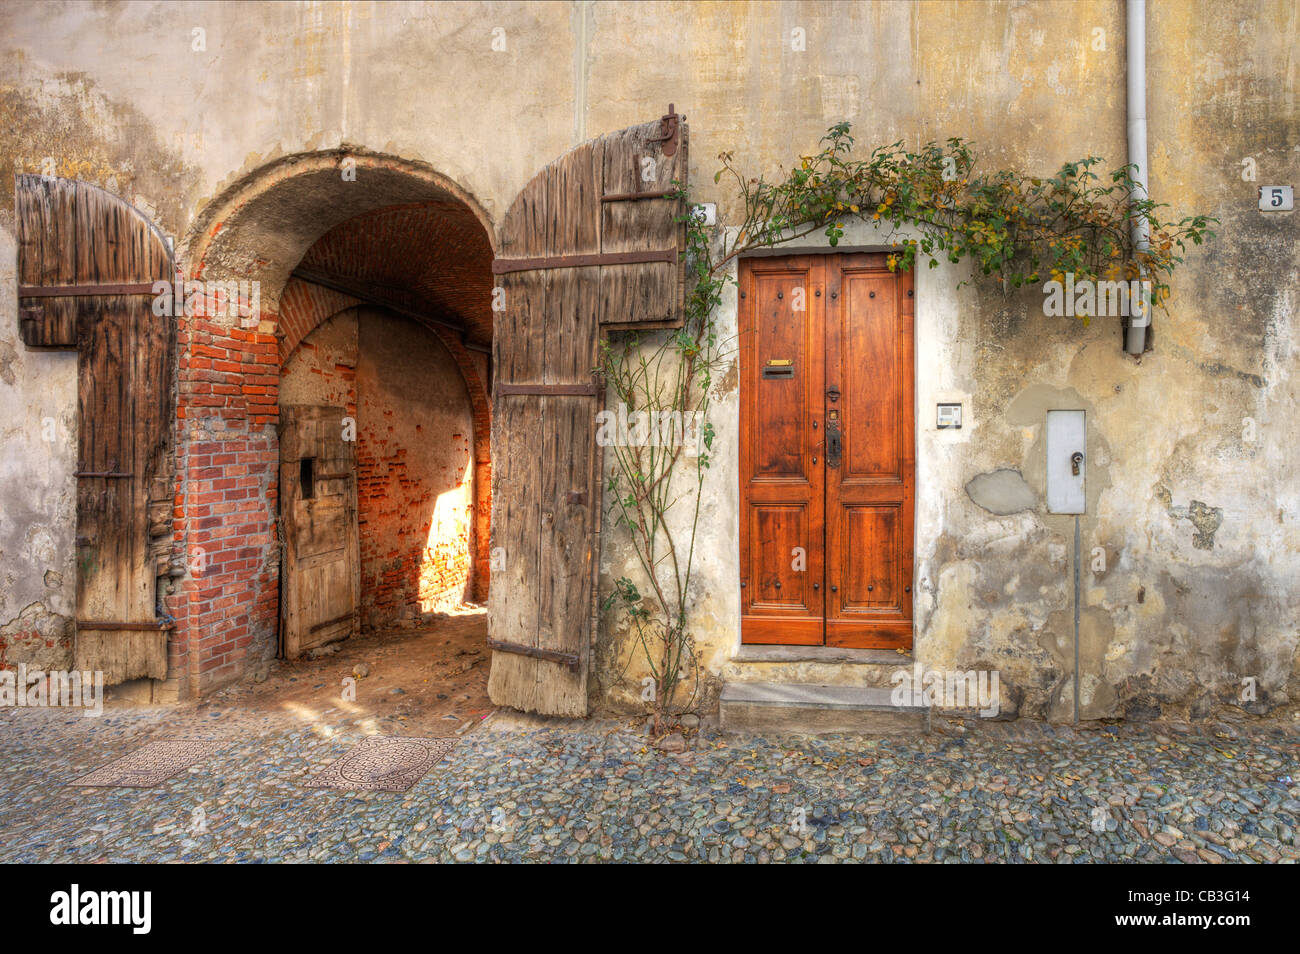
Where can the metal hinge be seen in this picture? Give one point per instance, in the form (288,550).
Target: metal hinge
(87,291)
(579,390)
(503,266)
(151,625)
(670,127)
(568,659)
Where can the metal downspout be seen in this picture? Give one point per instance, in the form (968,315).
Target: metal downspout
(1136,47)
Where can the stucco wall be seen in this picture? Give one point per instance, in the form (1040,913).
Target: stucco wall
(115,93)
(38,452)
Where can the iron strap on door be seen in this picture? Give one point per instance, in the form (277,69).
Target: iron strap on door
(113,625)
(503,266)
(569,659)
(86,291)
(571,390)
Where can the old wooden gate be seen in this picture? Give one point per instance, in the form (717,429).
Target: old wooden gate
(320,582)
(87,262)
(827,467)
(592,243)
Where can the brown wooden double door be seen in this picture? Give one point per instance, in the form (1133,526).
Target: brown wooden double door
(827,469)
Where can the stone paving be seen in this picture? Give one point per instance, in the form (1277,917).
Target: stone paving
(518,790)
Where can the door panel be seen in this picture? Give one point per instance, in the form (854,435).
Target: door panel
(86,266)
(782,493)
(321,597)
(869,495)
(594,242)
(827,452)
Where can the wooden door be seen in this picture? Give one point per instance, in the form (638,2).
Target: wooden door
(782,467)
(827,452)
(320,581)
(870,488)
(593,242)
(87,264)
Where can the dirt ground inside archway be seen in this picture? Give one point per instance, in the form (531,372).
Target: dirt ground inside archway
(430,681)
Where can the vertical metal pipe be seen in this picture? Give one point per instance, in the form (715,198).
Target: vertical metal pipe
(1076,619)
(1135,42)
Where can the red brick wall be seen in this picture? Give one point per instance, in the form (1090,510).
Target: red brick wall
(225,504)
(415,473)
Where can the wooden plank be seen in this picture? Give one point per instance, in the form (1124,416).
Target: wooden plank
(516,446)
(54,325)
(635,294)
(566,563)
(321,574)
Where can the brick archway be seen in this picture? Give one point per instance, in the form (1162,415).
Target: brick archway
(388,253)
(291,213)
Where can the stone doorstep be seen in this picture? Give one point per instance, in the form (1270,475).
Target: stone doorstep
(821,654)
(814,710)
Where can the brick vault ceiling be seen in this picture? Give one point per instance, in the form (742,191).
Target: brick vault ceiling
(433,256)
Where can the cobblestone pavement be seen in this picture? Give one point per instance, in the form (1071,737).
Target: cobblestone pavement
(515,790)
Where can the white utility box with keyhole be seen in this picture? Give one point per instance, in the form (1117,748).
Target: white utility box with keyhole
(1067,458)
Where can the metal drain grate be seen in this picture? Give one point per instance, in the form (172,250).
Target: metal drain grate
(151,764)
(383,764)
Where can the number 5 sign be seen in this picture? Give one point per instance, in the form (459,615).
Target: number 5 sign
(1276,198)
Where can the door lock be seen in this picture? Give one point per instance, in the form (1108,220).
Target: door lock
(1075,460)
(834,443)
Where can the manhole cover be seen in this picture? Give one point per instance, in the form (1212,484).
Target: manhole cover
(383,764)
(151,764)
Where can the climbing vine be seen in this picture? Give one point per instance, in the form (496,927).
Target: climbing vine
(1016,228)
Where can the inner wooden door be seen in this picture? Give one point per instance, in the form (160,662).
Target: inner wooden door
(320,580)
(828,462)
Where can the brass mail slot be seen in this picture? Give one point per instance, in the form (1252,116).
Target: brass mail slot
(779,368)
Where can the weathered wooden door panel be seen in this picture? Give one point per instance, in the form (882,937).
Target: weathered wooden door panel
(577,250)
(321,580)
(827,459)
(782,492)
(647,294)
(87,262)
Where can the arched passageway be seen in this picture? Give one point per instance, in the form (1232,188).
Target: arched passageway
(375,288)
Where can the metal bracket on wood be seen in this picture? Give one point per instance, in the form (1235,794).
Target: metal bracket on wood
(141,627)
(582,390)
(503,266)
(568,659)
(670,127)
(111,472)
(634,196)
(86,291)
